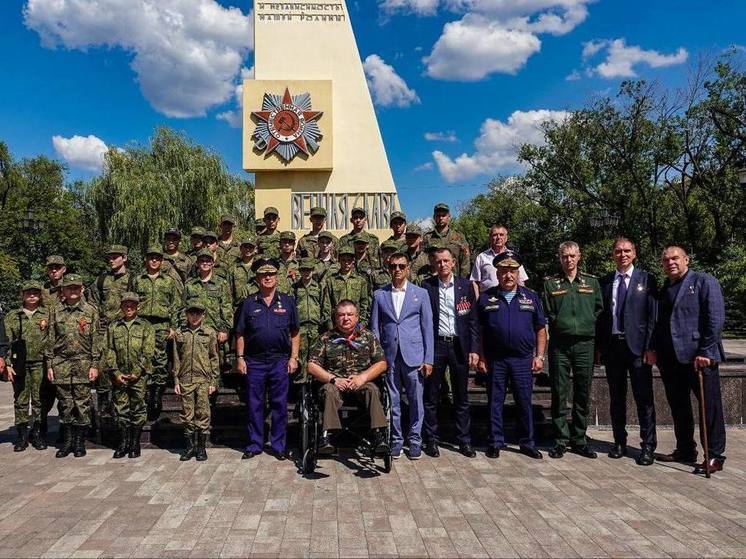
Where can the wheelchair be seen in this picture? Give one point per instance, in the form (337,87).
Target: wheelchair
(355,426)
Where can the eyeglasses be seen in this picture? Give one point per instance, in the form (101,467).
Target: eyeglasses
(397,266)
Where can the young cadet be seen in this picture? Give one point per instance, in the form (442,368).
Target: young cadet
(241,277)
(326,263)
(130,342)
(72,355)
(196,377)
(27,329)
(307,294)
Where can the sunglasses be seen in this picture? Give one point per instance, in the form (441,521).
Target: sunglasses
(397,266)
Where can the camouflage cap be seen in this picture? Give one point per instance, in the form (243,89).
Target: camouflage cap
(287,236)
(259,222)
(398,215)
(195,304)
(441,206)
(227,218)
(271,210)
(437,245)
(131,297)
(31,285)
(326,235)
(346,250)
(210,235)
(154,249)
(117,249)
(55,260)
(389,245)
(172,232)
(265,266)
(197,232)
(358,238)
(358,209)
(318,210)
(307,263)
(72,280)
(507,259)
(206,252)
(248,240)
(413,229)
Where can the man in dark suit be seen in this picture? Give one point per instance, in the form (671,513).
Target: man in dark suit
(688,339)
(624,337)
(454,325)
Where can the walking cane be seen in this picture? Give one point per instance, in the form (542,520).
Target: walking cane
(703,420)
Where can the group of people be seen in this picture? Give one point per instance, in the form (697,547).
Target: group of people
(349,315)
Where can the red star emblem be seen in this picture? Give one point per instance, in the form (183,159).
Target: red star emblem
(287,124)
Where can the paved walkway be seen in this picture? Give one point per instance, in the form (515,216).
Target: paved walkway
(452,506)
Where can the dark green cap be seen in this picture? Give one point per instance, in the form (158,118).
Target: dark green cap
(413,229)
(358,238)
(248,240)
(55,260)
(206,252)
(346,249)
(441,206)
(154,249)
(318,210)
(326,235)
(130,296)
(195,304)
(287,236)
(389,245)
(271,210)
(307,263)
(398,215)
(227,218)
(31,284)
(71,280)
(436,245)
(117,249)
(173,232)
(197,232)
(360,210)
(210,235)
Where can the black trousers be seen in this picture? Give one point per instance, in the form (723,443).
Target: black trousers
(679,381)
(448,355)
(621,362)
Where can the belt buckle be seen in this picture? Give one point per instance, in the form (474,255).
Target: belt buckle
(448,338)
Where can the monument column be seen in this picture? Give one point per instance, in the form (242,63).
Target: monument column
(310,131)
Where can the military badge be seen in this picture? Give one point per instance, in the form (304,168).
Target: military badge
(640,287)
(83,325)
(43,325)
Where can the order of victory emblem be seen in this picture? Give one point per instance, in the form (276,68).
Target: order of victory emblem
(287,126)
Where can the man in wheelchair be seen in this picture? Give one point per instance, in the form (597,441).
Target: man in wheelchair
(346,361)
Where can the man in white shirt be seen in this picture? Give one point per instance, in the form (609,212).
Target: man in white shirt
(483,272)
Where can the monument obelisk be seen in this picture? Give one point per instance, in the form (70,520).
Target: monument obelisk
(310,132)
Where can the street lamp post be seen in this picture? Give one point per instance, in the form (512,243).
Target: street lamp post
(30,225)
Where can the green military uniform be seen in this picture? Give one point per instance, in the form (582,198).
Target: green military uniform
(419,267)
(197,232)
(268,244)
(242,282)
(228,252)
(309,243)
(74,346)
(324,268)
(399,242)
(287,273)
(571,309)
(373,243)
(27,333)
(453,240)
(196,369)
(180,262)
(51,298)
(337,287)
(308,302)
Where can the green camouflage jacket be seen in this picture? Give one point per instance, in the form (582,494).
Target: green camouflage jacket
(196,356)
(335,355)
(130,347)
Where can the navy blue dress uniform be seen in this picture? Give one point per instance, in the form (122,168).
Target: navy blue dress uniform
(509,322)
(452,353)
(624,332)
(267,332)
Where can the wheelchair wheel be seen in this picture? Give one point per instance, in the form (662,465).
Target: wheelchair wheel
(308,462)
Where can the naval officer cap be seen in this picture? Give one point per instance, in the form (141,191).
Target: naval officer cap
(265,266)
(507,259)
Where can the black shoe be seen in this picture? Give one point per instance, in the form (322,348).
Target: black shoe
(37,439)
(200,451)
(467,450)
(248,454)
(189,451)
(714,465)
(325,446)
(79,441)
(66,435)
(124,442)
(431,449)
(686,457)
(380,442)
(617,451)
(22,439)
(134,446)
(281,455)
(558,451)
(492,452)
(531,452)
(646,457)
(584,451)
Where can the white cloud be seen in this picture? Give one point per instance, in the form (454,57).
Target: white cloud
(235,118)
(86,152)
(419,7)
(449,136)
(424,167)
(497,145)
(621,58)
(186,53)
(386,86)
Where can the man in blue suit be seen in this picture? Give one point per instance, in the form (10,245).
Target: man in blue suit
(401,318)
(624,340)
(688,339)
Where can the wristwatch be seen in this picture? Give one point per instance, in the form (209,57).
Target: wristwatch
(539,357)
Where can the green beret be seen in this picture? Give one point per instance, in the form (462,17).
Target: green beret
(207,253)
(398,215)
(55,260)
(307,263)
(441,206)
(287,236)
(358,210)
(346,249)
(195,304)
(130,296)
(31,284)
(318,210)
(227,218)
(248,240)
(413,229)
(117,249)
(271,211)
(154,249)
(72,280)
(197,232)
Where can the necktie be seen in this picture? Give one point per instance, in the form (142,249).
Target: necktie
(621,299)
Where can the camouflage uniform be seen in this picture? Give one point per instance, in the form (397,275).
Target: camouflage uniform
(308,303)
(347,240)
(458,245)
(51,295)
(419,267)
(241,280)
(180,262)
(399,242)
(130,349)
(192,252)
(229,253)
(343,359)
(268,244)
(324,268)
(337,287)
(287,274)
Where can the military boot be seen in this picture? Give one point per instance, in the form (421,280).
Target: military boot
(201,453)
(135,434)
(157,402)
(66,434)
(79,441)
(188,453)
(37,439)
(124,442)
(22,438)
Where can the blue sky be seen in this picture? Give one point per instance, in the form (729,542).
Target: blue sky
(444,73)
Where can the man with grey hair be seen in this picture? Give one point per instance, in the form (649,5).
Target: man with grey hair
(572,302)
(483,273)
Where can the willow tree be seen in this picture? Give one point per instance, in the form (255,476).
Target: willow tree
(173,182)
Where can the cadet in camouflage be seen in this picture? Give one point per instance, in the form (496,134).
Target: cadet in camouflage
(129,361)
(345,284)
(229,251)
(196,377)
(241,277)
(419,265)
(359,218)
(398,223)
(453,239)
(51,298)
(309,243)
(180,262)
(326,263)
(307,294)
(196,242)
(288,271)
(268,240)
